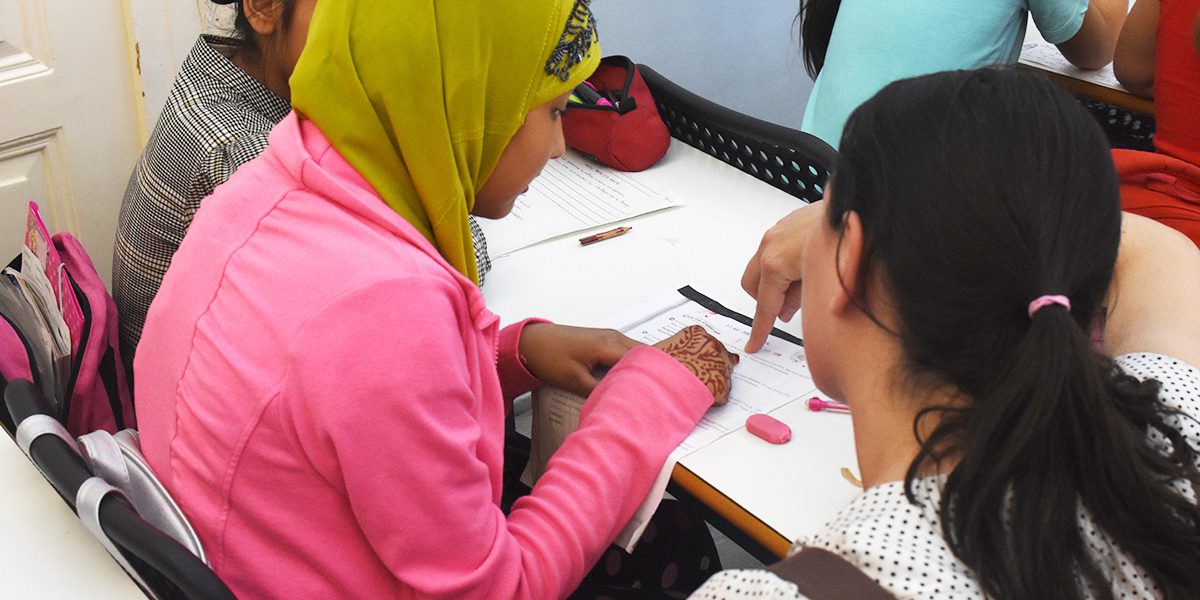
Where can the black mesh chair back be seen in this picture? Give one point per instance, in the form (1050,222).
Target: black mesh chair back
(164,568)
(793,161)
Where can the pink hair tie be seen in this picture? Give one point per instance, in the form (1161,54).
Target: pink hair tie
(1047,300)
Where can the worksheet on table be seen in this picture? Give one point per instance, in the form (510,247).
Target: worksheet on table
(1038,52)
(1047,56)
(572,194)
(762,382)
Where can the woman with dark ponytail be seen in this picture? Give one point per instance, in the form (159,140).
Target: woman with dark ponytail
(855,47)
(1019,356)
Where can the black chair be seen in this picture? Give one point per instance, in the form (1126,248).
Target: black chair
(164,568)
(1123,127)
(793,161)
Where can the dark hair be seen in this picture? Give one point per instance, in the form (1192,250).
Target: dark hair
(241,25)
(816,26)
(1196,35)
(979,191)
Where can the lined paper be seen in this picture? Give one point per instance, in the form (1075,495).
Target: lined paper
(1036,51)
(776,375)
(572,194)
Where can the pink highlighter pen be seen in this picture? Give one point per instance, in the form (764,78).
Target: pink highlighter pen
(816,404)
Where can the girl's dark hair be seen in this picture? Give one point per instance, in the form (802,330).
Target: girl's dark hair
(979,191)
(241,25)
(816,26)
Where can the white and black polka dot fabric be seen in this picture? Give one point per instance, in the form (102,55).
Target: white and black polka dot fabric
(900,545)
(746,583)
(216,119)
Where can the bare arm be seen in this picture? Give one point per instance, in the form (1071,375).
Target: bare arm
(772,276)
(1154,303)
(1133,63)
(1092,46)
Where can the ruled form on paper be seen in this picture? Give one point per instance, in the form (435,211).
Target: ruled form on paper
(572,194)
(1037,52)
(762,382)
(1045,55)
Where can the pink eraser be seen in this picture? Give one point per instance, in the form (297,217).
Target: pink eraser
(768,428)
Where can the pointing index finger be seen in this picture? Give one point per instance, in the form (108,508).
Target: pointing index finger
(770,300)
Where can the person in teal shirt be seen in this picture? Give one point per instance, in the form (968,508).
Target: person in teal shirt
(855,47)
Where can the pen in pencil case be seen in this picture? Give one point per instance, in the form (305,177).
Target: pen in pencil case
(585,93)
(603,235)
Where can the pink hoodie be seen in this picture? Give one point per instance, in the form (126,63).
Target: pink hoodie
(325,397)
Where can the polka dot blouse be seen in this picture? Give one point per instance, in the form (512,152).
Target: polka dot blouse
(900,545)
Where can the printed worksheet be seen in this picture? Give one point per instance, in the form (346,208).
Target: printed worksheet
(762,382)
(1038,52)
(572,194)
(1041,53)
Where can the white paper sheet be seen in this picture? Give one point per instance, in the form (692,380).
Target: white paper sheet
(572,194)
(1038,52)
(762,382)
(1046,55)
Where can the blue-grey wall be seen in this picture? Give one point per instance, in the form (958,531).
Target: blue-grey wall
(743,54)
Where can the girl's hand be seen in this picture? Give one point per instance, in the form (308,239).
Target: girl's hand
(773,275)
(705,357)
(565,357)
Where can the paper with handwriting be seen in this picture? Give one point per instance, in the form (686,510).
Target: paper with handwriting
(572,194)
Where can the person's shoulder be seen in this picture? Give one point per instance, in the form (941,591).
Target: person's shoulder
(214,103)
(1179,381)
(1058,20)
(747,583)
(899,543)
(311,236)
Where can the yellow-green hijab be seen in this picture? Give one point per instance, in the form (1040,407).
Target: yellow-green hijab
(423,96)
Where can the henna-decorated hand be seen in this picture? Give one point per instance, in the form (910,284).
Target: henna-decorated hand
(705,357)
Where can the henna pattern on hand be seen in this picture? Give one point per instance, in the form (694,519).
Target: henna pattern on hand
(705,357)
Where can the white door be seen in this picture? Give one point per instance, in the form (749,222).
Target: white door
(71,126)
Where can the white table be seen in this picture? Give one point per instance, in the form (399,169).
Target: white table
(773,493)
(46,552)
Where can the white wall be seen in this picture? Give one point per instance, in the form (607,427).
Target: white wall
(743,54)
(165,31)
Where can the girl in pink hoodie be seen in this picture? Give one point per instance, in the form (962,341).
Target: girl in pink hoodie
(319,383)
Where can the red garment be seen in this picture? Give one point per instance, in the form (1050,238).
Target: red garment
(1177,81)
(1160,187)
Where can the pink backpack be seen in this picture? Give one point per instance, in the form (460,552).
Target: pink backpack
(97,391)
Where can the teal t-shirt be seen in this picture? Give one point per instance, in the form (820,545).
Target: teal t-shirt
(876,42)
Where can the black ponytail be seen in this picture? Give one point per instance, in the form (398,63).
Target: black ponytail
(816,27)
(978,192)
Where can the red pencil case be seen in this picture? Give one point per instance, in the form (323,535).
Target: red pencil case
(625,133)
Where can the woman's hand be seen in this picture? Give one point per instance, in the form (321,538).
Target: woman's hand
(773,275)
(565,357)
(705,357)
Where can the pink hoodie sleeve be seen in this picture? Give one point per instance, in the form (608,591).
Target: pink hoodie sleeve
(515,379)
(395,420)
